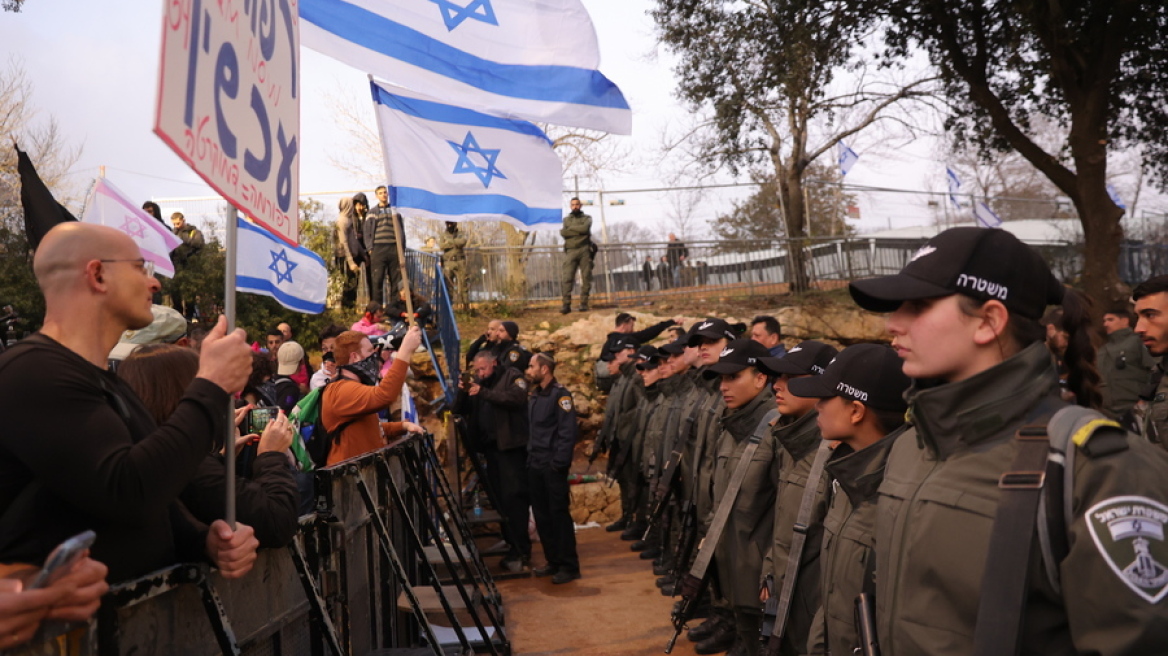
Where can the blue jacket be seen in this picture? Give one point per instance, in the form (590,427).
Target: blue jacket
(553,429)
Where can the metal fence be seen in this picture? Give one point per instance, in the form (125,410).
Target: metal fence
(353,581)
(630,273)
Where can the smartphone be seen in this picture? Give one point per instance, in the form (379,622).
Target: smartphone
(258,418)
(62,558)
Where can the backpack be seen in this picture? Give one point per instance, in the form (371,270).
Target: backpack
(313,442)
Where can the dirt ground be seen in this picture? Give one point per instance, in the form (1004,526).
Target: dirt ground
(614,609)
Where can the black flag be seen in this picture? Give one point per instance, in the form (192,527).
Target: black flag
(41,210)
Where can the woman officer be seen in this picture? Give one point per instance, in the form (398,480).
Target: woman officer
(964,317)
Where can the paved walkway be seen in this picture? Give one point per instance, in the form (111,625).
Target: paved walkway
(614,609)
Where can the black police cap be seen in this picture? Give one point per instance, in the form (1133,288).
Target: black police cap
(869,373)
(808,358)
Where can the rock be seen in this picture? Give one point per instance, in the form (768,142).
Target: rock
(844,324)
(545,325)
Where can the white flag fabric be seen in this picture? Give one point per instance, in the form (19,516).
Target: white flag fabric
(847,158)
(986,217)
(110,207)
(293,275)
(954,187)
(454,164)
(528,59)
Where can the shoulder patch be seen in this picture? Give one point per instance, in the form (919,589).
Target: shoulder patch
(566,403)
(1129,533)
(513,356)
(1100,437)
(521,382)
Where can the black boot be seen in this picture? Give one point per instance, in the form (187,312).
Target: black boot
(704,630)
(634,532)
(721,640)
(619,525)
(651,553)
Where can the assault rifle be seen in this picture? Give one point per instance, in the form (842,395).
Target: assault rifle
(664,490)
(692,589)
(770,612)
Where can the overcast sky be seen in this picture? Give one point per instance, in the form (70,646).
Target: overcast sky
(95,64)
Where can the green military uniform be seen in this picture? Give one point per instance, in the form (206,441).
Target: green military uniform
(619,428)
(849,534)
(639,465)
(747,535)
(707,435)
(799,441)
(577,234)
(1155,422)
(936,510)
(1125,367)
(453,245)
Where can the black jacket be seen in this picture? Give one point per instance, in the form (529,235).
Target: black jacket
(552,420)
(508,353)
(497,415)
(79,451)
(268,500)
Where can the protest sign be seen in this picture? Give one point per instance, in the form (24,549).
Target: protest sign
(229,102)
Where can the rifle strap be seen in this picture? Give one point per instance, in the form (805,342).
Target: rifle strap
(714,534)
(799,537)
(1007,573)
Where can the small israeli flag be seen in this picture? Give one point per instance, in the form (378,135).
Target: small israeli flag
(954,187)
(294,276)
(847,157)
(1115,198)
(409,411)
(986,217)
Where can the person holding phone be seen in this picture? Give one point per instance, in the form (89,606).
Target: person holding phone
(79,451)
(72,596)
(266,496)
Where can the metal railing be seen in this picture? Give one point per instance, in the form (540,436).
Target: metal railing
(337,589)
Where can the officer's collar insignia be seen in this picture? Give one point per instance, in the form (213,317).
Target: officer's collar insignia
(521,383)
(923,251)
(1129,533)
(566,403)
(725,352)
(514,356)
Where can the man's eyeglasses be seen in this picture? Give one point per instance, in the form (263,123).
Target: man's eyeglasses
(145,265)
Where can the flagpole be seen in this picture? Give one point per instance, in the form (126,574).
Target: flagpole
(397,236)
(229,310)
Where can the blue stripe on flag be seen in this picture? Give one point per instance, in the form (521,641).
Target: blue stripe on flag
(455,204)
(375,32)
(266,288)
(302,250)
(433,111)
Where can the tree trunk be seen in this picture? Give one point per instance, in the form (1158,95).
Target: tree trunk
(796,219)
(1102,232)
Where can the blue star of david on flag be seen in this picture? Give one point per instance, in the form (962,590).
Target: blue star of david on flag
(465,164)
(277,260)
(454,15)
(133,227)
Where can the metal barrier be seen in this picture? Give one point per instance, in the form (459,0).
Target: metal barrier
(342,587)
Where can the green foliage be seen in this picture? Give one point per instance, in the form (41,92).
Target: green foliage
(760,216)
(18,287)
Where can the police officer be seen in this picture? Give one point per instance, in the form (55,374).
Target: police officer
(859,402)
(747,395)
(495,405)
(552,418)
(615,428)
(578,253)
(1151,298)
(453,245)
(499,339)
(648,437)
(962,564)
(798,439)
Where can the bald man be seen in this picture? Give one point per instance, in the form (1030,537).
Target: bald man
(79,451)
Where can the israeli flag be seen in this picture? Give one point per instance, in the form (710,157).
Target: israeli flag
(409,411)
(1115,197)
(986,217)
(454,164)
(954,187)
(847,158)
(107,205)
(534,60)
(294,276)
